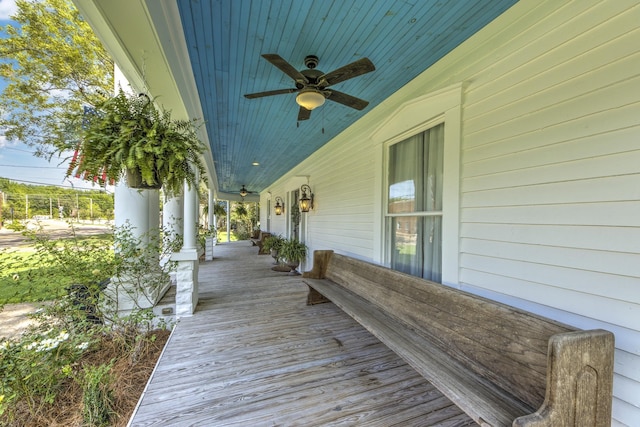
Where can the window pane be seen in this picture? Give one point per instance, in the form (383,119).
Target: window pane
(415,186)
(432,248)
(432,169)
(404,250)
(404,172)
(415,173)
(416,245)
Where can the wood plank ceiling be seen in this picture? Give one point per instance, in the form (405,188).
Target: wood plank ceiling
(225,39)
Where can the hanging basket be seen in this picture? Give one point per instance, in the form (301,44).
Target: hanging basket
(134,180)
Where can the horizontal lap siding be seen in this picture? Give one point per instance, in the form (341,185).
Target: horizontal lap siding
(550,188)
(342,180)
(550,181)
(343,218)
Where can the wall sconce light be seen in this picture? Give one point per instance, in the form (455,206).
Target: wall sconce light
(306,202)
(279,208)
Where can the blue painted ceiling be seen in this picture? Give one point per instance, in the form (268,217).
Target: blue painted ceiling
(226,39)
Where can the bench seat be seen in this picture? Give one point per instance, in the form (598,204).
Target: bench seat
(501,365)
(260,241)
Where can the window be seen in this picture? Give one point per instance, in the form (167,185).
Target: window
(414,204)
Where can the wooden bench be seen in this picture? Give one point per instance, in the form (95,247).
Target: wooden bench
(260,241)
(501,365)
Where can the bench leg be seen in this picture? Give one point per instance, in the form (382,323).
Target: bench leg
(315,297)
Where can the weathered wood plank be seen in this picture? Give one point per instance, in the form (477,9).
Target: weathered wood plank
(502,365)
(255,354)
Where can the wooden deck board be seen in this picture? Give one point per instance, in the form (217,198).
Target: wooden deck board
(254,354)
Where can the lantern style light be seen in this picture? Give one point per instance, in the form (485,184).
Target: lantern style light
(279,208)
(306,201)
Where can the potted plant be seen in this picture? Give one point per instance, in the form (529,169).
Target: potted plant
(293,252)
(273,244)
(128,134)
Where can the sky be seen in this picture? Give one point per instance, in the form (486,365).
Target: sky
(17,161)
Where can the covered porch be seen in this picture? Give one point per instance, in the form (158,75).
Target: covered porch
(255,354)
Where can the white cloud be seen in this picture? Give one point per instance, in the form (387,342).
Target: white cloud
(7,8)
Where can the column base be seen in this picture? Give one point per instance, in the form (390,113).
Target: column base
(186,282)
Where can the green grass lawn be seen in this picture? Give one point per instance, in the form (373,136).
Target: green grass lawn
(222,236)
(23,279)
(28,275)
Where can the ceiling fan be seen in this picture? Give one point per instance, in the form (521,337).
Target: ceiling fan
(311,84)
(243,191)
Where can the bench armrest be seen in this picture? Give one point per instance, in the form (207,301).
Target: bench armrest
(320,263)
(579,381)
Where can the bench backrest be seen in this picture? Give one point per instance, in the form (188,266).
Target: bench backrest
(505,345)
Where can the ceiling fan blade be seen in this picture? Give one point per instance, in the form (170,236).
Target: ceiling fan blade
(270,93)
(303,114)
(357,68)
(285,67)
(348,100)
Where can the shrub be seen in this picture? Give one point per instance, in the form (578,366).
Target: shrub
(51,267)
(97,396)
(35,366)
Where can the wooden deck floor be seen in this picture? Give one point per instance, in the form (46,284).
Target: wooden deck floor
(255,355)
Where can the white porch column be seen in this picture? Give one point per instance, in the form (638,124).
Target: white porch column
(211,225)
(172,215)
(190,215)
(228,221)
(211,218)
(138,210)
(187,258)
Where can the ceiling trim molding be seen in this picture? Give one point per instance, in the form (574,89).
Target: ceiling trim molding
(249,198)
(413,114)
(95,14)
(165,19)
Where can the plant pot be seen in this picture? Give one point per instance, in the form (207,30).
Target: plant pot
(134,180)
(274,255)
(293,265)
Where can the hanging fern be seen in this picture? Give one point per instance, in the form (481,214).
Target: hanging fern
(128,132)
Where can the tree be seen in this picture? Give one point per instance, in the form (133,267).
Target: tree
(220,213)
(54,66)
(46,200)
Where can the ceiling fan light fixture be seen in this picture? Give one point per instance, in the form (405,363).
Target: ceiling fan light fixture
(310,99)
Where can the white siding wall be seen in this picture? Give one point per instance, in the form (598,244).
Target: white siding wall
(550,195)
(550,161)
(342,180)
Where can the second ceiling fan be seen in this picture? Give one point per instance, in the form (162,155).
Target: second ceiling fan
(311,84)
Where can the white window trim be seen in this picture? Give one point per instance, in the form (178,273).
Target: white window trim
(411,118)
